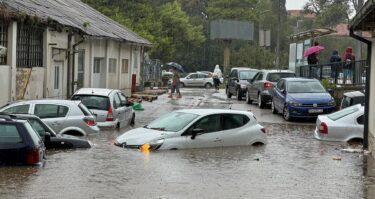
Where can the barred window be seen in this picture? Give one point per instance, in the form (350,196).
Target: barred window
(29,46)
(3,40)
(125,66)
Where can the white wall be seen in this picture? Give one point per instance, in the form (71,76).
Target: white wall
(5,80)
(35,87)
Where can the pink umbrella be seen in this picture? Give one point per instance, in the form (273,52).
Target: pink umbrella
(313,49)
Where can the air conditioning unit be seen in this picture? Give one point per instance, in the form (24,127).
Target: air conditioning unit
(3,51)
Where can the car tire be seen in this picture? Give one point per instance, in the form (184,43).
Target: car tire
(208,85)
(273,108)
(229,95)
(118,125)
(248,99)
(238,95)
(260,102)
(286,113)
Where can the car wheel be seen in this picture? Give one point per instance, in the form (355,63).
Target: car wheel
(273,108)
(132,122)
(208,85)
(229,95)
(248,99)
(260,102)
(118,125)
(286,113)
(239,95)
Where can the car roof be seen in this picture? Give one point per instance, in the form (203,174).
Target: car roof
(47,101)
(354,94)
(242,68)
(277,71)
(299,79)
(213,111)
(94,91)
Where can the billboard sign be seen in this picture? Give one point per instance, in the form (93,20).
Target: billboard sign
(231,30)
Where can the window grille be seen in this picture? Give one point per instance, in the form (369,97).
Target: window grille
(29,46)
(3,40)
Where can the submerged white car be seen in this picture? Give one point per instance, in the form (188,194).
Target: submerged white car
(197,128)
(344,125)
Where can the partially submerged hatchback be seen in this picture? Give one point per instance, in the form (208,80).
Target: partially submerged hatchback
(196,128)
(19,143)
(110,106)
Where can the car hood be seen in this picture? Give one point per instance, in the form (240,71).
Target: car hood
(140,136)
(307,98)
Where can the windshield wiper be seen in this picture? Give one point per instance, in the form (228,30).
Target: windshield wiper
(158,128)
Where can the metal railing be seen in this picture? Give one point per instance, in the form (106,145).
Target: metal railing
(152,71)
(336,72)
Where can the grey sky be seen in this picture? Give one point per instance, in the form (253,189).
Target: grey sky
(295,4)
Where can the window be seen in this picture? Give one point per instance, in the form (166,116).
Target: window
(193,76)
(233,74)
(123,98)
(93,102)
(275,77)
(259,77)
(209,124)
(38,127)
(21,109)
(201,76)
(9,134)
(3,40)
(280,85)
(29,46)
(246,75)
(125,66)
(361,120)
(232,121)
(116,101)
(34,135)
(112,65)
(50,110)
(57,77)
(305,87)
(97,64)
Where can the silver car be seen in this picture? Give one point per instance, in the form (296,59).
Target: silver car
(63,116)
(110,106)
(197,80)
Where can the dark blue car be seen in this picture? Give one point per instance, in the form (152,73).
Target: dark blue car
(301,98)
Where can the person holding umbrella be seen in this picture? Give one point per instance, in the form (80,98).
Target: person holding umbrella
(312,55)
(175,79)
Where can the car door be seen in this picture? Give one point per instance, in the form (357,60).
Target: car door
(53,115)
(232,133)
(127,109)
(118,109)
(202,79)
(255,85)
(279,95)
(210,137)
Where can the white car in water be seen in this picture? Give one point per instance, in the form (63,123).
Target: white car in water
(344,125)
(197,128)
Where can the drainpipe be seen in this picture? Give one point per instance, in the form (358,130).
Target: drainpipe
(367,93)
(74,60)
(69,79)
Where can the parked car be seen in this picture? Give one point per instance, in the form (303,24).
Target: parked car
(110,106)
(197,128)
(63,116)
(352,98)
(55,141)
(19,143)
(301,98)
(264,80)
(238,80)
(197,80)
(344,125)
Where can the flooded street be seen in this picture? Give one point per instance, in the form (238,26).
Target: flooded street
(292,165)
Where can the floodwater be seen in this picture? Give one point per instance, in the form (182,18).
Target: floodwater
(292,165)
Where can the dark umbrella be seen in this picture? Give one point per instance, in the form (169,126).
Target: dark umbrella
(176,66)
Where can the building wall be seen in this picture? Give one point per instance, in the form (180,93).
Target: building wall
(5,79)
(372,103)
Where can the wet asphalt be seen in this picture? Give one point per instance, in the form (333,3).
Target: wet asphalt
(292,165)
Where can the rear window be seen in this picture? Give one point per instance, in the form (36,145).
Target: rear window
(9,134)
(344,112)
(84,109)
(232,121)
(275,77)
(34,135)
(93,101)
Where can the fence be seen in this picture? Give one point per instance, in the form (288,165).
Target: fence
(336,72)
(152,71)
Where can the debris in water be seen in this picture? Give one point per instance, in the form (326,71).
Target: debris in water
(352,150)
(336,158)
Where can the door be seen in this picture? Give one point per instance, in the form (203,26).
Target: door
(232,133)
(210,137)
(128,109)
(119,110)
(53,115)
(255,86)
(191,80)
(99,73)
(202,79)
(279,95)
(57,74)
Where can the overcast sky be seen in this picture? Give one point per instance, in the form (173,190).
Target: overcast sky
(295,4)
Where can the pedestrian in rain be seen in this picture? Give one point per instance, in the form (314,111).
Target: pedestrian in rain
(348,65)
(175,83)
(335,61)
(313,60)
(216,76)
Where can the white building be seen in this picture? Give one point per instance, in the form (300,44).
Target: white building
(57,46)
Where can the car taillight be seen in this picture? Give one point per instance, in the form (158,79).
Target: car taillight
(323,129)
(32,156)
(109,115)
(264,130)
(267,84)
(89,121)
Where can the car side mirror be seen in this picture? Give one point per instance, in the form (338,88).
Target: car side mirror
(283,91)
(47,137)
(196,132)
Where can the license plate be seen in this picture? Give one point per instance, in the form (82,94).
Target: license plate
(315,110)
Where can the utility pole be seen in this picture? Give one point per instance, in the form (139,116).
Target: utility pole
(277,62)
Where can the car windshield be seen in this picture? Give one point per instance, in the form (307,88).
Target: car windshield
(342,113)
(93,101)
(249,74)
(173,122)
(275,77)
(305,87)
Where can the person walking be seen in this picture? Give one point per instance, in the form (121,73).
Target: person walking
(216,76)
(348,64)
(175,83)
(312,61)
(335,61)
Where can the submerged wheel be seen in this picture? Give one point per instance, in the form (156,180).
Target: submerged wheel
(229,95)
(260,102)
(248,99)
(286,113)
(239,95)
(273,108)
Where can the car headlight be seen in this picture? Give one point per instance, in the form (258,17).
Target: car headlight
(295,104)
(156,144)
(332,102)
